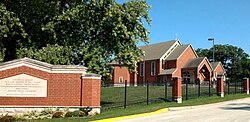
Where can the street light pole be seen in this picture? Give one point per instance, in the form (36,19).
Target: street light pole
(212,39)
(213,77)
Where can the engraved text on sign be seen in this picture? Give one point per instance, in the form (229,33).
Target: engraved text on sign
(23,86)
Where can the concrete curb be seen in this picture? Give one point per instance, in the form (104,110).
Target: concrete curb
(133,116)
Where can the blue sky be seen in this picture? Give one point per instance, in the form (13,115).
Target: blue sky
(194,21)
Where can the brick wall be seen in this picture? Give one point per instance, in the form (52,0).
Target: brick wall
(182,60)
(219,69)
(91,91)
(120,72)
(63,89)
(170,64)
(147,71)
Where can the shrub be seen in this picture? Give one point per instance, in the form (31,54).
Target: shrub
(44,114)
(69,114)
(7,118)
(57,115)
(19,118)
(86,110)
(81,113)
(78,113)
(47,111)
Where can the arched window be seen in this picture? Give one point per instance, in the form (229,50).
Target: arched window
(186,75)
(120,79)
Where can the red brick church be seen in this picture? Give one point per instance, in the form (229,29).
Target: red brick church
(163,61)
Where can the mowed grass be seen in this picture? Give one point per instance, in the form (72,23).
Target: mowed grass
(115,96)
(143,108)
(112,100)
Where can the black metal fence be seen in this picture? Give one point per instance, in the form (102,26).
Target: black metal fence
(234,86)
(147,93)
(160,91)
(197,88)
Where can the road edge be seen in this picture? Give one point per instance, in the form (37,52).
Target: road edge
(132,116)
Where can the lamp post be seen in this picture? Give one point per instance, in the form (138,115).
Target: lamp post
(212,39)
(213,77)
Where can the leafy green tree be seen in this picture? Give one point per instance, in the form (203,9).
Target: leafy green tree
(11,34)
(89,32)
(234,59)
(53,54)
(107,30)
(34,14)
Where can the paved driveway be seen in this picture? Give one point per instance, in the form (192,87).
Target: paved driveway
(231,111)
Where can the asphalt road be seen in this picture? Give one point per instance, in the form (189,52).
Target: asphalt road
(231,111)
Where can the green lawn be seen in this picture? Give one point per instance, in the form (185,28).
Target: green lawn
(114,96)
(142,108)
(112,100)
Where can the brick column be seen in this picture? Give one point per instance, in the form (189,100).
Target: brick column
(246,85)
(220,86)
(176,90)
(91,92)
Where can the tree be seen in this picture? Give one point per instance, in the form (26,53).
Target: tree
(93,32)
(107,30)
(11,34)
(33,15)
(234,59)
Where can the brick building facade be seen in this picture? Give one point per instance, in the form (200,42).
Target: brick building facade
(166,60)
(65,86)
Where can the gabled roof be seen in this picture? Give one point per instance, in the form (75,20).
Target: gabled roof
(177,52)
(156,51)
(194,62)
(168,71)
(214,64)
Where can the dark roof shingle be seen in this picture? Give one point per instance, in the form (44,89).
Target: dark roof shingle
(177,52)
(156,51)
(214,64)
(168,71)
(193,62)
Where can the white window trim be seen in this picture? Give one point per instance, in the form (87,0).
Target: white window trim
(153,70)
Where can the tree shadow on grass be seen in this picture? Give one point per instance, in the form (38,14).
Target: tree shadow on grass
(167,100)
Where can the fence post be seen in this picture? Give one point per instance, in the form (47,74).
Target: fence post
(186,89)
(209,88)
(217,84)
(125,94)
(199,87)
(246,85)
(220,86)
(147,91)
(235,86)
(176,90)
(166,91)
